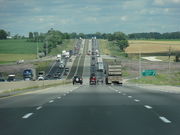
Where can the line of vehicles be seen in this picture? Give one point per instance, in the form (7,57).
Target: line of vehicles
(30,73)
(102,72)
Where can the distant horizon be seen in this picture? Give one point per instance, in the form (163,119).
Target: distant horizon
(27,35)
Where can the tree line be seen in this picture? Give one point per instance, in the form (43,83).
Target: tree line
(52,38)
(154,35)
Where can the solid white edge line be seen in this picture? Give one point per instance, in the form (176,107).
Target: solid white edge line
(148,107)
(164,119)
(27,115)
(51,101)
(38,108)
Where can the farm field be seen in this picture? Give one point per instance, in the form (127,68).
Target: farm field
(19,46)
(13,50)
(148,46)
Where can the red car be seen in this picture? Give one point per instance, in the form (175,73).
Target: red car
(92,80)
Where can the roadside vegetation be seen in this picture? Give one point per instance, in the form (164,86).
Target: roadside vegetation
(160,79)
(67,45)
(43,65)
(110,48)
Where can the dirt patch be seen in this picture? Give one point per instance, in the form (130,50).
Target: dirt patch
(14,68)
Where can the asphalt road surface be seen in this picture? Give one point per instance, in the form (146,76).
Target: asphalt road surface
(91,110)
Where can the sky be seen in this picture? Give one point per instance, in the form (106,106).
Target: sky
(90,16)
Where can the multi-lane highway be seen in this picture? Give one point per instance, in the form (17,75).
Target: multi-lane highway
(91,110)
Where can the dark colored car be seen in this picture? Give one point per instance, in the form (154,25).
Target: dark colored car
(92,80)
(67,69)
(2,80)
(28,74)
(11,78)
(77,79)
(56,76)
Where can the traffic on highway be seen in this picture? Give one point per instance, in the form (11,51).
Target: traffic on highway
(89,104)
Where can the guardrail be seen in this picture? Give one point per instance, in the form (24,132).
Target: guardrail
(12,88)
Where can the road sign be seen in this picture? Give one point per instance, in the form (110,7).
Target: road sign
(149,73)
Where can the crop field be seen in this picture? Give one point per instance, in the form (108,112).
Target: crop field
(152,47)
(18,47)
(13,50)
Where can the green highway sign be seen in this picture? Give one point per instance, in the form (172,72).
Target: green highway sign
(149,73)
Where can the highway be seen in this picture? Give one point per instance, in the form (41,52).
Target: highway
(91,110)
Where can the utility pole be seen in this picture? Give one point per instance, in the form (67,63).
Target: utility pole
(140,63)
(37,49)
(46,47)
(169,63)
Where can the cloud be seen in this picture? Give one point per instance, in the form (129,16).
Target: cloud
(89,15)
(124,18)
(166,2)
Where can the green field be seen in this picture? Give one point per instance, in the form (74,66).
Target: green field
(13,50)
(19,46)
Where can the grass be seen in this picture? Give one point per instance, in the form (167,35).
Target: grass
(67,45)
(19,46)
(42,66)
(104,47)
(152,46)
(13,50)
(160,79)
(109,48)
(7,58)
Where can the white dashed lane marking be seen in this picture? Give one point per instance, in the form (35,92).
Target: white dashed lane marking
(129,96)
(164,119)
(51,101)
(27,115)
(119,92)
(148,107)
(59,97)
(136,100)
(38,108)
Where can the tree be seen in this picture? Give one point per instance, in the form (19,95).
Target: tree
(82,35)
(122,44)
(73,35)
(119,36)
(36,36)
(3,34)
(30,35)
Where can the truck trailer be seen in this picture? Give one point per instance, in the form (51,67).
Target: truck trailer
(114,74)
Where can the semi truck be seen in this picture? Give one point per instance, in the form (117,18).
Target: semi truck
(58,57)
(114,74)
(29,74)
